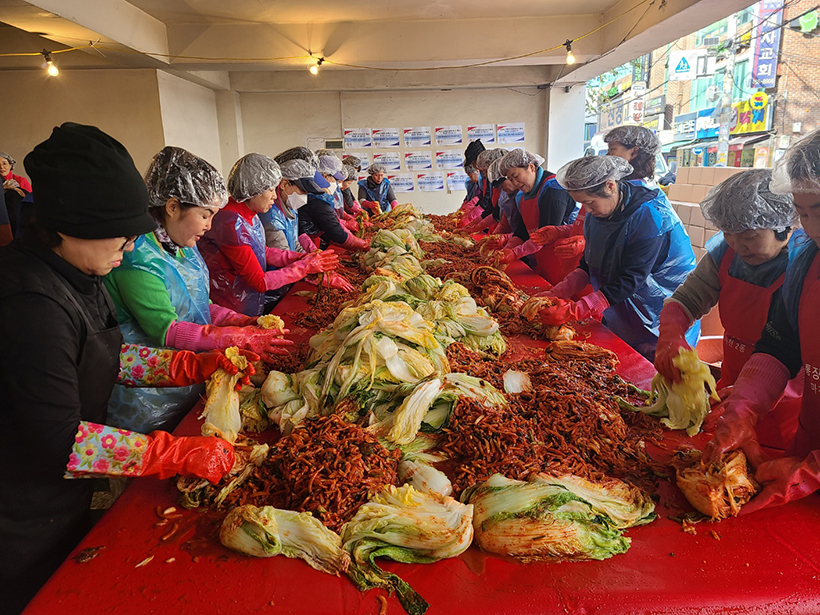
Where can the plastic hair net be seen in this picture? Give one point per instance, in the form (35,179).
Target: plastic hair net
(11,160)
(635,136)
(329,164)
(494,172)
(350,173)
(177,173)
(297,169)
(798,171)
(376,168)
(488,156)
(591,171)
(297,153)
(519,158)
(252,175)
(352,161)
(325,152)
(745,202)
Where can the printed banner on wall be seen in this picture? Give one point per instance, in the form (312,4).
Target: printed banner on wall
(457,180)
(485,132)
(449,159)
(767,45)
(357,137)
(431,182)
(448,135)
(390,160)
(511,133)
(751,115)
(402,182)
(418,161)
(363,156)
(385,137)
(418,136)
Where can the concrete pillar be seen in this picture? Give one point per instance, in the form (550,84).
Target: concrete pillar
(229,121)
(565,126)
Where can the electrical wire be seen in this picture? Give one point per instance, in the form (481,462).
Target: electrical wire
(39,53)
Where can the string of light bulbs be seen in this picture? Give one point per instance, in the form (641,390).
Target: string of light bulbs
(315,62)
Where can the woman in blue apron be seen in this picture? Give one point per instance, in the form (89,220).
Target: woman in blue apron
(161,289)
(637,253)
(377,189)
(246,276)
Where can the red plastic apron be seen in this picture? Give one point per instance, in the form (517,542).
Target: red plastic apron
(744,309)
(548,265)
(807,438)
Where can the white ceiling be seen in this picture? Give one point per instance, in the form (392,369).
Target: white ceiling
(333,11)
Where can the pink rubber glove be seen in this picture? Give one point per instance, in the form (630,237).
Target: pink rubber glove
(225,317)
(570,248)
(394,204)
(191,336)
(315,262)
(789,479)
(574,282)
(373,207)
(308,245)
(334,280)
(481,224)
(758,388)
(281,258)
(549,234)
(356,208)
(590,306)
(674,324)
(355,243)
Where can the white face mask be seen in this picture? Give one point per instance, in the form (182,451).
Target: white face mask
(332,187)
(295,200)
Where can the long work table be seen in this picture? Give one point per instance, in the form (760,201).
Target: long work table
(767,562)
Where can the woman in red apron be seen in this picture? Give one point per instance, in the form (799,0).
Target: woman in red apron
(541,202)
(743,269)
(788,345)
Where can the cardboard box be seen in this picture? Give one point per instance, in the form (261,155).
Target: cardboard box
(707,176)
(698,194)
(682,175)
(694,175)
(708,233)
(679,192)
(696,219)
(699,253)
(685,213)
(695,235)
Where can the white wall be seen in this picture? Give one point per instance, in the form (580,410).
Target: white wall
(566,126)
(273,122)
(189,118)
(122,103)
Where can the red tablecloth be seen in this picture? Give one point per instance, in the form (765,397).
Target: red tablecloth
(768,562)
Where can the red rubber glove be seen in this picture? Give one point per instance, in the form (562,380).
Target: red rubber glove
(758,388)
(264,342)
(590,306)
(788,479)
(494,242)
(334,280)
(205,457)
(355,243)
(373,207)
(547,235)
(674,323)
(574,282)
(319,262)
(570,248)
(187,368)
(351,225)
(504,257)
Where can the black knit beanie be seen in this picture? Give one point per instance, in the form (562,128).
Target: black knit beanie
(85,185)
(473,150)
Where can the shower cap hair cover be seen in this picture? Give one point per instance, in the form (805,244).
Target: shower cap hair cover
(591,171)
(745,202)
(177,173)
(252,175)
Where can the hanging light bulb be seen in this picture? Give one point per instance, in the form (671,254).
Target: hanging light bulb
(570,55)
(51,69)
(314,69)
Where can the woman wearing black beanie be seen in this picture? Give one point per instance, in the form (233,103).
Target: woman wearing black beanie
(61,352)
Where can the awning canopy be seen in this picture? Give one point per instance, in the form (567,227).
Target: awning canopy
(741,142)
(676,144)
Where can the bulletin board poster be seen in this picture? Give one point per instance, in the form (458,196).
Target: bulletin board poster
(449,159)
(390,160)
(511,133)
(386,137)
(431,182)
(485,132)
(357,137)
(418,136)
(418,161)
(457,180)
(363,156)
(403,182)
(449,135)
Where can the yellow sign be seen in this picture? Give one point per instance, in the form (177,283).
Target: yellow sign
(748,119)
(759,100)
